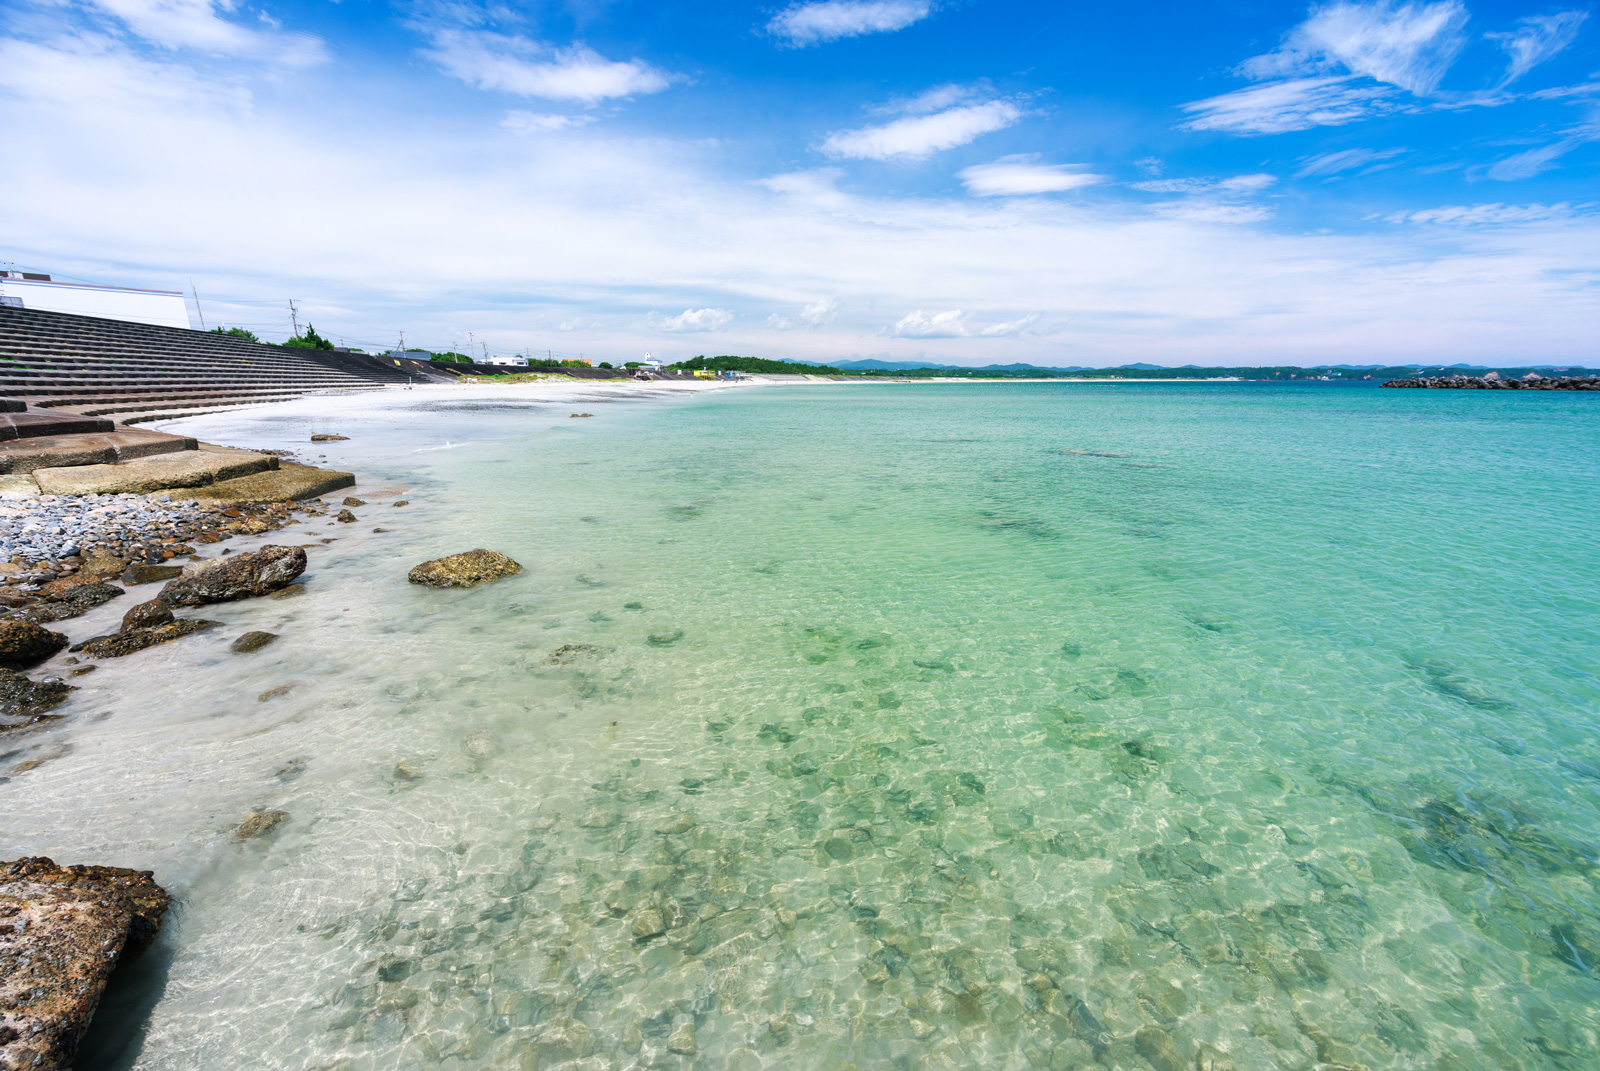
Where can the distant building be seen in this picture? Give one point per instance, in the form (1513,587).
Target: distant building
(518,359)
(27,290)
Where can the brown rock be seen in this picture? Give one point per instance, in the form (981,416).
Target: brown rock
(345,516)
(149,574)
(77,600)
(252,641)
(353,501)
(330,438)
(464,570)
(147,615)
(402,502)
(62,931)
(137,639)
(23,643)
(241,577)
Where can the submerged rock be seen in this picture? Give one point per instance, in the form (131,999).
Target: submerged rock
(345,516)
(23,643)
(463,570)
(137,639)
(252,641)
(481,744)
(352,500)
(24,698)
(1155,1045)
(240,577)
(258,824)
(662,639)
(330,438)
(147,615)
(65,929)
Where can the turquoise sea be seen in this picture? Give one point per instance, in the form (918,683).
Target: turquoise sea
(1135,726)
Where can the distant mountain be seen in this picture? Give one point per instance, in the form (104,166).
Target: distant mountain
(876,365)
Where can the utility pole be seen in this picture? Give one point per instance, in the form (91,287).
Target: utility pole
(472,348)
(402,345)
(197,308)
(294,317)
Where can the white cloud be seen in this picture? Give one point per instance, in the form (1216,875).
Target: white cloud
(527,68)
(1012,176)
(694,320)
(198,25)
(820,312)
(919,136)
(1408,45)
(829,20)
(1210,211)
(519,122)
(939,325)
(779,323)
(1280,107)
(1011,329)
(1536,39)
(1490,214)
(1331,163)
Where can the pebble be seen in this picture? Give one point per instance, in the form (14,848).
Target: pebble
(40,534)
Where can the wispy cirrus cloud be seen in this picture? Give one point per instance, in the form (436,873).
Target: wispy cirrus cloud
(1492,214)
(800,25)
(520,122)
(509,63)
(1295,104)
(1017,176)
(1408,45)
(939,119)
(1536,39)
(199,25)
(1332,163)
(1323,73)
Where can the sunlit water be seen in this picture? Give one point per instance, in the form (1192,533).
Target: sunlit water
(982,726)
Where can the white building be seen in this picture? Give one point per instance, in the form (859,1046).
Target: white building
(27,290)
(505,360)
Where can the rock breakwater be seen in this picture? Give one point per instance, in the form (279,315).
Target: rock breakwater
(1496,383)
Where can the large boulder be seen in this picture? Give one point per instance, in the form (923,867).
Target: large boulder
(464,570)
(66,930)
(22,643)
(239,577)
(147,615)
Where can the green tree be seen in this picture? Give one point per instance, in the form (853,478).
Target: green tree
(309,340)
(236,332)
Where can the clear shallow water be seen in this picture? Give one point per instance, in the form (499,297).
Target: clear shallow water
(1018,726)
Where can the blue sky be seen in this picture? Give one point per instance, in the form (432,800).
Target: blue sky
(1232,182)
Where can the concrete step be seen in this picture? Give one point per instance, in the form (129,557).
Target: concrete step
(286,483)
(189,468)
(64,451)
(33,424)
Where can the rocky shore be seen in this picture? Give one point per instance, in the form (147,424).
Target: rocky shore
(1496,383)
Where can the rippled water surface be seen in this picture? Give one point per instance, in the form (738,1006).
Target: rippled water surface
(968,726)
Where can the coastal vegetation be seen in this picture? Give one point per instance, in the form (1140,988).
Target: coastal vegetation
(236,332)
